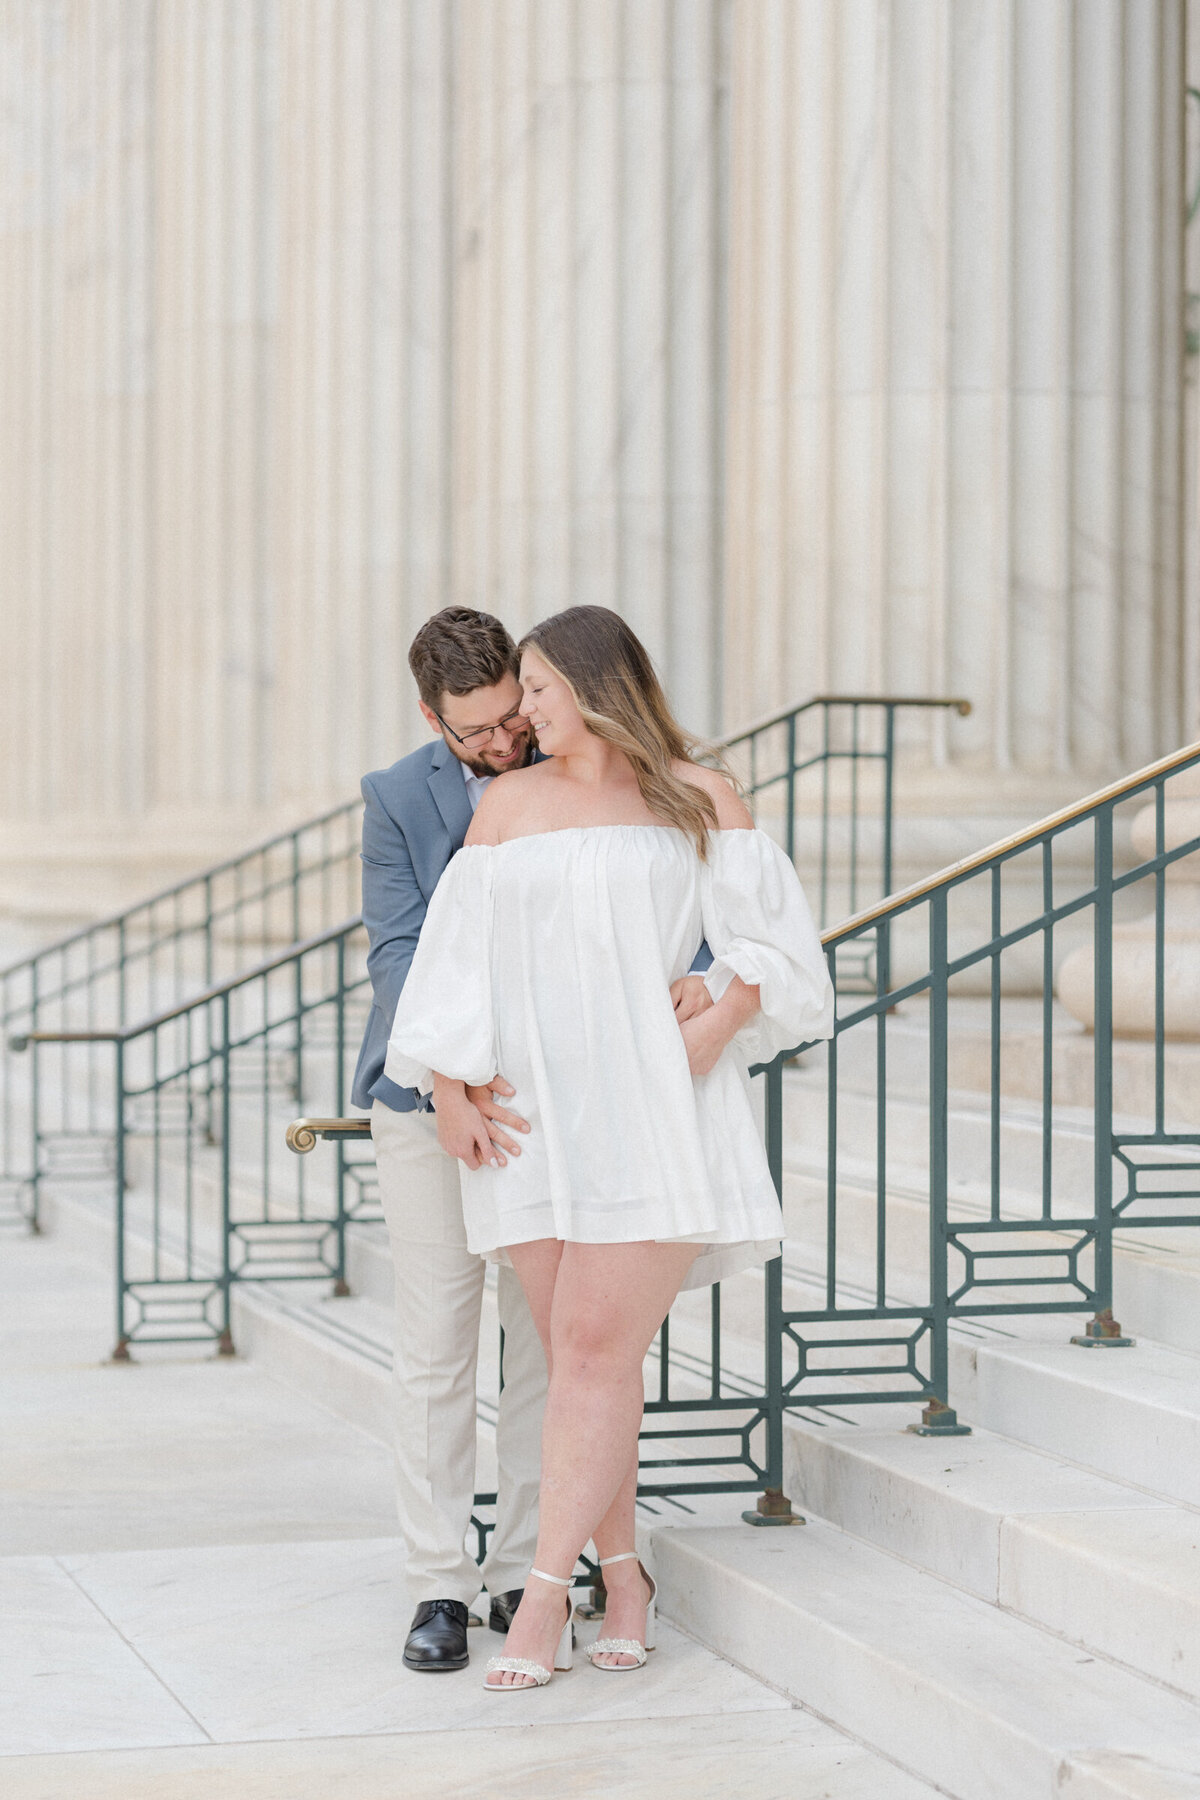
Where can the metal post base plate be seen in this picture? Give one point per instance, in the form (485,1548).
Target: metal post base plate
(1103,1333)
(774,1508)
(939,1420)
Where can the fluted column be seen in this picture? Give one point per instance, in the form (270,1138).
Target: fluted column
(955,369)
(224,495)
(317,315)
(588,319)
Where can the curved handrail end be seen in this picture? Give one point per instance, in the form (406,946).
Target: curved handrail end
(302,1134)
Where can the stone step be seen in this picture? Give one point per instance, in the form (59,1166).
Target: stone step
(969,1140)
(984,1705)
(1156,1274)
(969,1059)
(1100,1563)
(1130,1414)
(761,1747)
(337,1352)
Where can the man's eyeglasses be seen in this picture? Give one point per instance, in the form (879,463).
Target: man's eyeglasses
(478,740)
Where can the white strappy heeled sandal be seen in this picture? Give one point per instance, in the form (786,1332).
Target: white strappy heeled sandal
(522,1665)
(626,1646)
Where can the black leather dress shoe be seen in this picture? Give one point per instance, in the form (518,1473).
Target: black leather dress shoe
(504,1607)
(437,1637)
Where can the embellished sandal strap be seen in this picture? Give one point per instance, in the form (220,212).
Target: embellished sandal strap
(617,1647)
(518,1665)
(625,1556)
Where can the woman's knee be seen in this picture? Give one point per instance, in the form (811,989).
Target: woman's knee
(595,1343)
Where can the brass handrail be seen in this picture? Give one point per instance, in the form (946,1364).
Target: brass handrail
(1006,847)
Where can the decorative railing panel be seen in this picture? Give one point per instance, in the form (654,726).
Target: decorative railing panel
(55,1115)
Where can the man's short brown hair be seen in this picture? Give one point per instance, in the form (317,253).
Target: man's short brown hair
(459,650)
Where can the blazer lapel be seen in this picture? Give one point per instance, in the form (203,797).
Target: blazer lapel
(449,792)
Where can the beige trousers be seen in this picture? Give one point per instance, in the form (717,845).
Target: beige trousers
(439,1294)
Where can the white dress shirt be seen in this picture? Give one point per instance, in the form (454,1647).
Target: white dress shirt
(475,785)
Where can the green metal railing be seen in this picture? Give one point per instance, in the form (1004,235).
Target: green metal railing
(918,1190)
(1018,1216)
(204,1193)
(821,773)
(841,741)
(54,1114)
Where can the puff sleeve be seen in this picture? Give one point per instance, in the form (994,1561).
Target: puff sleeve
(758,926)
(444,1019)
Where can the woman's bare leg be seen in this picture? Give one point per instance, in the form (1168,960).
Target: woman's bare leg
(625,1615)
(536,1268)
(608,1302)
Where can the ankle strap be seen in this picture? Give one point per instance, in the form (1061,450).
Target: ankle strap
(558,1580)
(625,1556)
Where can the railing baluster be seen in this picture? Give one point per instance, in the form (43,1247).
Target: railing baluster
(225,1339)
(340,1286)
(882,980)
(889,761)
(1160,951)
(995,1048)
(823,911)
(121,1348)
(854,756)
(1102,1330)
(938,1419)
(1048,1030)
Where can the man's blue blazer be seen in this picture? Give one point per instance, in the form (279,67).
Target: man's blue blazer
(417,815)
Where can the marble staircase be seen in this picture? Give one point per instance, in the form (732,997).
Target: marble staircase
(1005,1616)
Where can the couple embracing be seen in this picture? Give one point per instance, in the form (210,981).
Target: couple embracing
(578,944)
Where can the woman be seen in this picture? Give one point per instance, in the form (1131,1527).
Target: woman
(548,955)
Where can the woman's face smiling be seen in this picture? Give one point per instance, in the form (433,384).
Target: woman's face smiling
(550,707)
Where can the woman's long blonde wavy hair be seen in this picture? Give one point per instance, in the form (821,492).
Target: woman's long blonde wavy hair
(621,699)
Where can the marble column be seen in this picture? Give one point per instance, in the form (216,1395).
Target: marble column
(1135,940)
(224,495)
(589,319)
(318,315)
(955,434)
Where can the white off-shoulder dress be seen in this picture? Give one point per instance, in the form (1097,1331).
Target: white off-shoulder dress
(548,959)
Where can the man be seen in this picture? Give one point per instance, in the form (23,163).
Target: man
(417,815)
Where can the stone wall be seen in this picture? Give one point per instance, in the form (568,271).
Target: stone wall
(956,371)
(837,342)
(318,315)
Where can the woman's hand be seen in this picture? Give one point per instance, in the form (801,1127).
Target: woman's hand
(462,1129)
(706,1035)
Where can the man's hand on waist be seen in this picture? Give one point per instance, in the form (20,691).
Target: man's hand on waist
(462,1130)
(487,1101)
(690,997)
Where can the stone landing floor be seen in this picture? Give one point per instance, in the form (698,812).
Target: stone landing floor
(199,1598)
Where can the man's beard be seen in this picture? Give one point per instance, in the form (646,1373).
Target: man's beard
(478,767)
